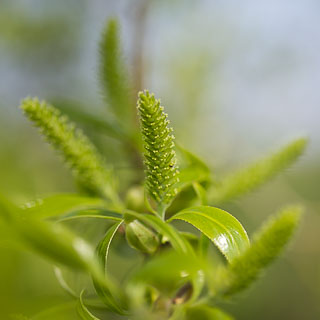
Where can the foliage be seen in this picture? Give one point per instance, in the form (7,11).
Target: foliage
(176,278)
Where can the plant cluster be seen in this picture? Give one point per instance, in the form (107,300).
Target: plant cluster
(178,274)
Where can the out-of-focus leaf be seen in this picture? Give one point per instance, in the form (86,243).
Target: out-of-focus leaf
(198,283)
(102,250)
(56,243)
(109,127)
(177,241)
(195,169)
(52,240)
(63,283)
(18,317)
(205,312)
(103,291)
(268,243)
(141,238)
(83,311)
(201,193)
(61,204)
(66,311)
(168,271)
(107,215)
(258,173)
(222,228)
(60,245)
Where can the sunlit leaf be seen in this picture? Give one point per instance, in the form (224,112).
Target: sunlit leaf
(222,228)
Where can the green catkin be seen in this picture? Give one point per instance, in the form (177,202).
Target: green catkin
(79,153)
(250,178)
(114,78)
(160,157)
(267,244)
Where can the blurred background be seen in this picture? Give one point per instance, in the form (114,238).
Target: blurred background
(238,79)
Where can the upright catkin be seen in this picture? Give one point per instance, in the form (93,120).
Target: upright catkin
(159,155)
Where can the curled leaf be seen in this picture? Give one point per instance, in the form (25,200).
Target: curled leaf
(224,230)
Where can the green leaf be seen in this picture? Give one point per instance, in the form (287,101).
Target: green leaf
(192,169)
(61,204)
(258,173)
(201,193)
(222,228)
(105,215)
(168,271)
(114,77)
(66,311)
(63,284)
(103,291)
(51,240)
(103,247)
(177,241)
(205,312)
(268,243)
(55,242)
(83,311)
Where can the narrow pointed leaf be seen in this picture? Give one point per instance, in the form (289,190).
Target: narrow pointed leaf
(83,311)
(192,169)
(103,124)
(102,250)
(201,193)
(63,284)
(61,204)
(268,243)
(258,173)
(103,291)
(222,228)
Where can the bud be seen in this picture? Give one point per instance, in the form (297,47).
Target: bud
(141,238)
(135,199)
